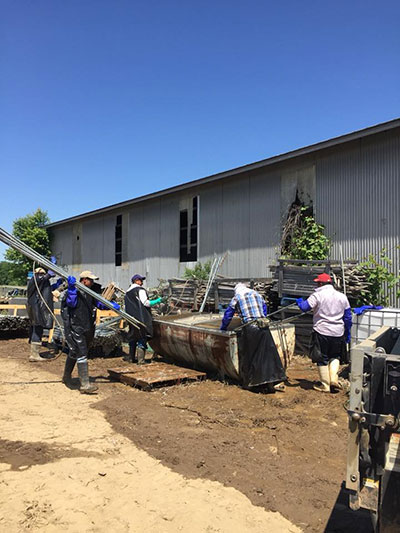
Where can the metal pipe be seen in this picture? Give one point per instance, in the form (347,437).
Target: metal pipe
(24,249)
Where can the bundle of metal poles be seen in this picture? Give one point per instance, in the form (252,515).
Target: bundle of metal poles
(213,272)
(25,250)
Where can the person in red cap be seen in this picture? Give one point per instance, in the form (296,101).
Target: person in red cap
(331,330)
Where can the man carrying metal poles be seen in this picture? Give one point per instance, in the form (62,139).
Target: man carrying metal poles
(78,311)
(40,308)
(331,331)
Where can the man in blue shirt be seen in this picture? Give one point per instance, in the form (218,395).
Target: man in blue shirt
(248,303)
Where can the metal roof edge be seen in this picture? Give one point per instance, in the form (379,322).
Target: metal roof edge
(321,145)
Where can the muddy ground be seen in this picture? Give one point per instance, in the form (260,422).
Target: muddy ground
(285,451)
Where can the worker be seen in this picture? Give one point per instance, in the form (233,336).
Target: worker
(261,366)
(249,304)
(138,305)
(331,330)
(78,311)
(40,308)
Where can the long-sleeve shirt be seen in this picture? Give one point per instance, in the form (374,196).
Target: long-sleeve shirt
(142,293)
(249,305)
(329,306)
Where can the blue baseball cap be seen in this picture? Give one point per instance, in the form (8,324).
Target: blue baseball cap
(137,277)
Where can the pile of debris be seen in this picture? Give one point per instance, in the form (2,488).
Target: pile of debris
(13,326)
(107,342)
(188,293)
(295,277)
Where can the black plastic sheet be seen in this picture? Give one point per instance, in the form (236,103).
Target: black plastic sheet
(259,359)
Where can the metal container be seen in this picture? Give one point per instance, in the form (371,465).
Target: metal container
(195,340)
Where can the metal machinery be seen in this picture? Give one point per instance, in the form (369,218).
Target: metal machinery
(373,458)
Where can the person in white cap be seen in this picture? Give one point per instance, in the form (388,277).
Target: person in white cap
(78,311)
(331,330)
(249,304)
(252,309)
(40,308)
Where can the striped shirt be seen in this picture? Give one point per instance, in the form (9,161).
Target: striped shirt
(249,305)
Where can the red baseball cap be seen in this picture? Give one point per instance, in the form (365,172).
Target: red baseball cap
(323,278)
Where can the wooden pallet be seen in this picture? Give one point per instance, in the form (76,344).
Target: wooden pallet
(153,375)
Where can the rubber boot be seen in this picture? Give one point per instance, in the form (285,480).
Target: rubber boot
(69,366)
(130,358)
(333,374)
(141,355)
(324,379)
(35,352)
(83,372)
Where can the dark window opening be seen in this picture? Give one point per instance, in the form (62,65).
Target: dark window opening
(188,231)
(118,241)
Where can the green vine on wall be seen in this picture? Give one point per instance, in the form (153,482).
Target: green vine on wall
(381,280)
(303,237)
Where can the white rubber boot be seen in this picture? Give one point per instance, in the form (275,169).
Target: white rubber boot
(141,355)
(324,379)
(333,375)
(35,352)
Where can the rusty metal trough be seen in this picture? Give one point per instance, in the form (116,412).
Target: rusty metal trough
(194,340)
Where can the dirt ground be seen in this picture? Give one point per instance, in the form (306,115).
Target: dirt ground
(210,456)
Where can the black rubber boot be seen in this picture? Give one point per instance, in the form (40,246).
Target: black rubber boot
(86,387)
(68,368)
(130,358)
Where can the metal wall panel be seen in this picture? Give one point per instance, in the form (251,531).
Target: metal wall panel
(358,193)
(211,217)
(357,196)
(61,244)
(265,223)
(235,225)
(169,238)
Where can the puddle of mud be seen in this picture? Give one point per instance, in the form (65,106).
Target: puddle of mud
(22,455)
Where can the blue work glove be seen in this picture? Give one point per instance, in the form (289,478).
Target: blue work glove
(71,282)
(348,322)
(56,284)
(51,273)
(363,308)
(53,259)
(116,306)
(303,304)
(226,319)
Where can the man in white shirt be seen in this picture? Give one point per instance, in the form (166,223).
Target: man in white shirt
(331,324)
(138,305)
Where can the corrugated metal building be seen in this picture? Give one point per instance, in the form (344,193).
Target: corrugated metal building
(352,181)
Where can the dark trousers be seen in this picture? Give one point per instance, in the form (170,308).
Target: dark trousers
(325,348)
(35,334)
(141,343)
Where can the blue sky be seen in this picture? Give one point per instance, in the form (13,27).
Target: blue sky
(102,101)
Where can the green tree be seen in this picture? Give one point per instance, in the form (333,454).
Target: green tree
(30,230)
(198,272)
(6,275)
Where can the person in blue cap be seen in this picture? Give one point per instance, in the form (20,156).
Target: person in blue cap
(138,305)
